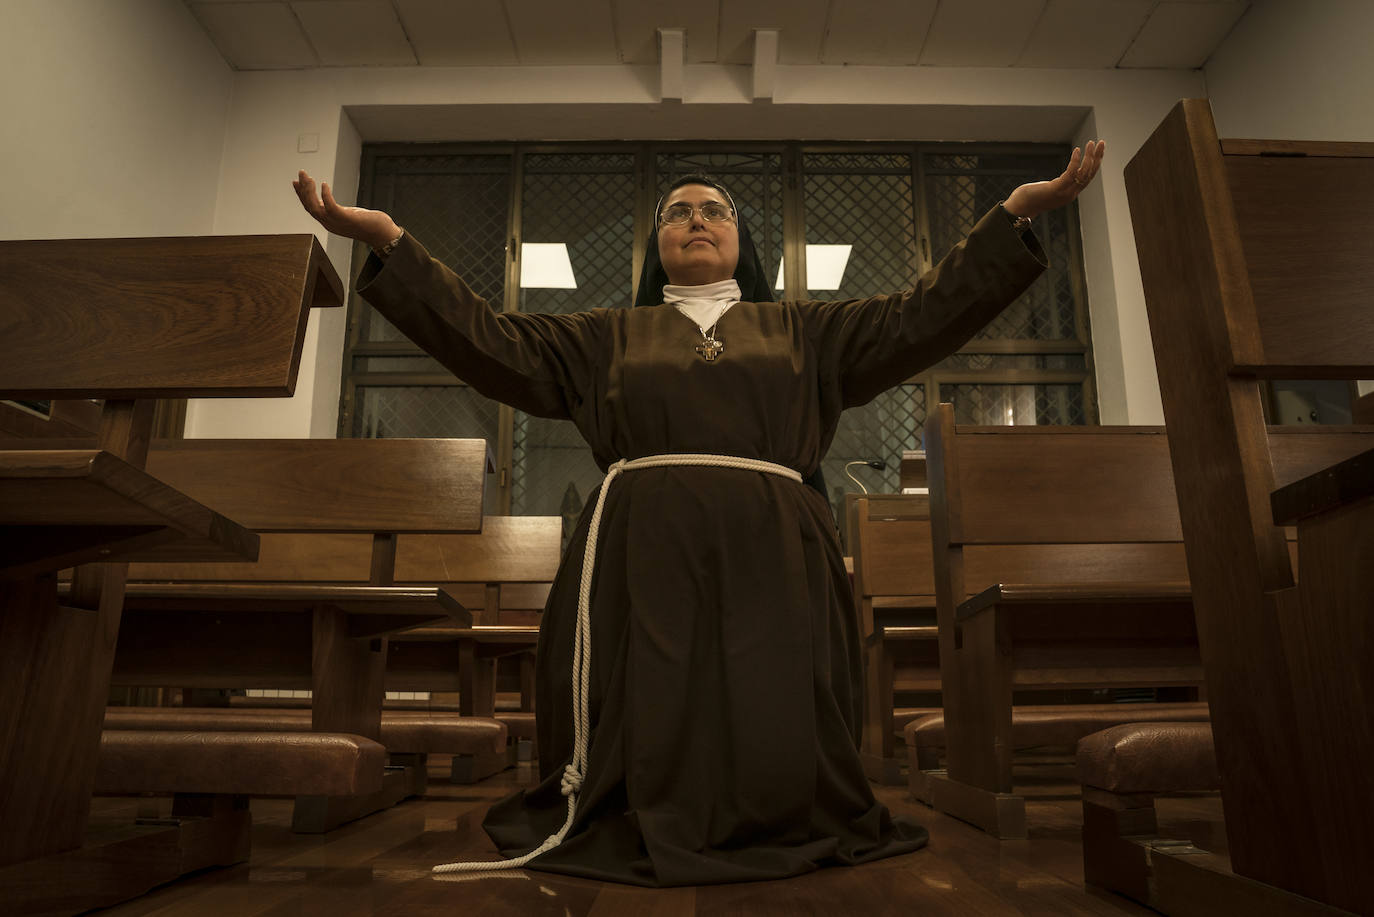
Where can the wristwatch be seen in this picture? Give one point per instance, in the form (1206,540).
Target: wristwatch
(1020,224)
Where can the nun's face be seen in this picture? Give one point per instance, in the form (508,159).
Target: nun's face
(699,250)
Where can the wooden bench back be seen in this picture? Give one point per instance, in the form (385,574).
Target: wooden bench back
(505,571)
(890,541)
(1303,244)
(509,549)
(1080,504)
(1057,485)
(332,485)
(1256,263)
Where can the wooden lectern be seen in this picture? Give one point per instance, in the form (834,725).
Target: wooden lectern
(129,321)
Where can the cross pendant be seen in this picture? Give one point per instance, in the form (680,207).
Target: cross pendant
(710,349)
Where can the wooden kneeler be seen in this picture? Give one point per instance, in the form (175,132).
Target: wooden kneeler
(127,320)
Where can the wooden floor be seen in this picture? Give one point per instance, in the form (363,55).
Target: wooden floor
(381,865)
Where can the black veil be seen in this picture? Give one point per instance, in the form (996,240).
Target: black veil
(749,274)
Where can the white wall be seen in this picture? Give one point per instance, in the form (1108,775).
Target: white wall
(347,106)
(1296,71)
(271,115)
(113,119)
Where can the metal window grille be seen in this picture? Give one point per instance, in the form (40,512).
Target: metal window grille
(880,430)
(900,207)
(587,202)
(1015,405)
(864,201)
(961,189)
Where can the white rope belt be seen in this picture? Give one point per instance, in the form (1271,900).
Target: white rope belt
(576,770)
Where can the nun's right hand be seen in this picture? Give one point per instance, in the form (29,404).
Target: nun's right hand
(372,227)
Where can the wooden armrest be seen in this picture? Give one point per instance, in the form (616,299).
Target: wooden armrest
(372,610)
(61,508)
(921,632)
(1328,489)
(904,633)
(525,634)
(1071,593)
(903,601)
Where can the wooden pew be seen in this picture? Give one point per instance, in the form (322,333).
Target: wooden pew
(506,572)
(501,575)
(1058,565)
(894,589)
(1257,264)
(129,321)
(316,611)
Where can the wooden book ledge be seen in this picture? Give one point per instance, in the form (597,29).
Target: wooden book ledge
(62,508)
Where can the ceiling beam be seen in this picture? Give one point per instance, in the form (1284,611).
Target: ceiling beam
(765,63)
(672,48)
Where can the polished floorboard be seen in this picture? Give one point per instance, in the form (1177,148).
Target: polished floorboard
(381,865)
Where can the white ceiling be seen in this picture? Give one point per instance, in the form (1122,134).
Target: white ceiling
(1079,34)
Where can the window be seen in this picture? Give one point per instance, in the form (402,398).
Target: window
(830,221)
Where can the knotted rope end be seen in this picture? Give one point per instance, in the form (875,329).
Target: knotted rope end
(572,780)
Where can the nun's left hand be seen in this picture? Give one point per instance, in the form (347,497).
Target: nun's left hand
(1033,199)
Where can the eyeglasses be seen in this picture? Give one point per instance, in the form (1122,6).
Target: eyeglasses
(681,212)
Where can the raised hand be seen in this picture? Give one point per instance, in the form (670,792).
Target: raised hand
(1033,199)
(372,227)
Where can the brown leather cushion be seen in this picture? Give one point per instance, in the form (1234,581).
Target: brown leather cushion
(903,715)
(1059,724)
(1149,758)
(403,731)
(238,763)
(442,733)
(518,723)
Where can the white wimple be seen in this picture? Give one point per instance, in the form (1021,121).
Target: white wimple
(576,770)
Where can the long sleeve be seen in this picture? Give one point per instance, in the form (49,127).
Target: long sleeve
(868,346)
(540,364)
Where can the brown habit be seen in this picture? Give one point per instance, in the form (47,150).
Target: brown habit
(725,682)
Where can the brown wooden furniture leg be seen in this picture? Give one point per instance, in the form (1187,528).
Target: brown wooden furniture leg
(346,677)
(54,676)
(477,697)
(1326,625)
(204,831)
(878,751)
(976,786)
(346,684)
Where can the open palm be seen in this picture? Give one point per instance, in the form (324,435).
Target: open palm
(370,226)
(1035,198)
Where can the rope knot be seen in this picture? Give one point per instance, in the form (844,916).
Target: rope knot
(572,780)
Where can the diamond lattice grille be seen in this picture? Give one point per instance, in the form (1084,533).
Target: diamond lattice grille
(882,429)
(864,201)
(1004,405)
(996,361)
(755,183)
(429,411)
(554,471)
(960,189)
(585,201)
(456,206)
